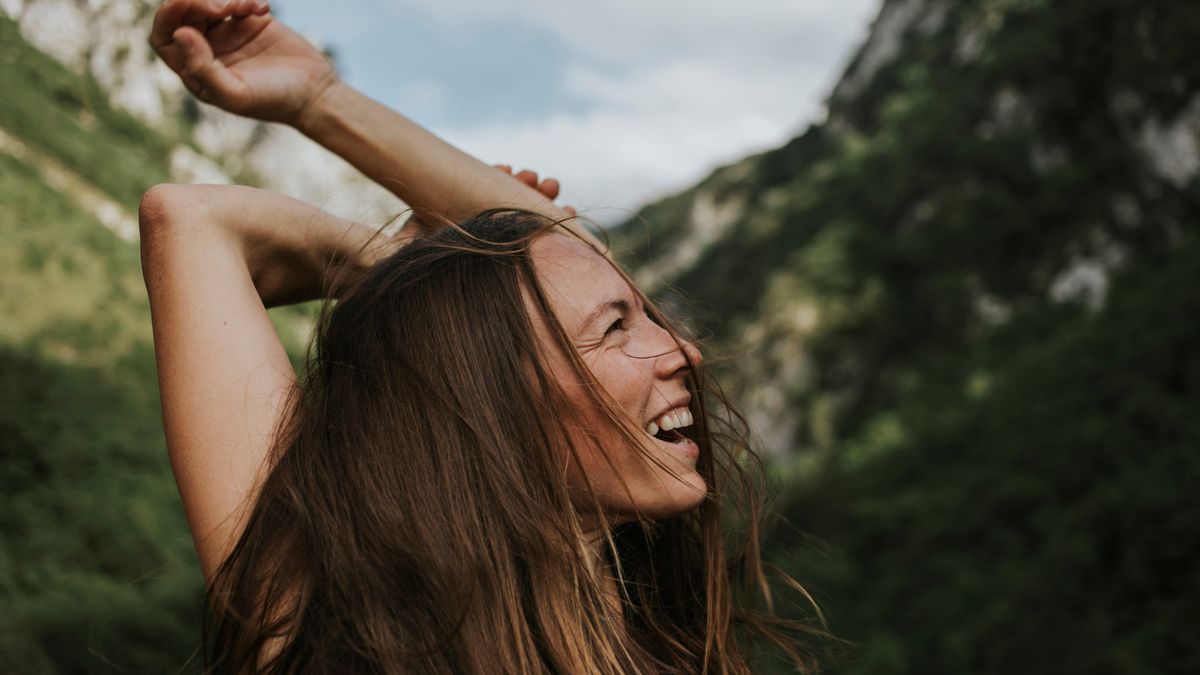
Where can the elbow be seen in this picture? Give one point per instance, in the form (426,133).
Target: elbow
(154,212)
(165,213)
(156,208)
(167,207)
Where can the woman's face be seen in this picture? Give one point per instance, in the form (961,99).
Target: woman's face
(638,364)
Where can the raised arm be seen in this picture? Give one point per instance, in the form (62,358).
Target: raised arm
(419,167)
(240,58)
(214,257)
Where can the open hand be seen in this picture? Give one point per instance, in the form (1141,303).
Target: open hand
(235,55)
(548,187)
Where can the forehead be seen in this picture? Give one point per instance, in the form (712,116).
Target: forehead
(576,278)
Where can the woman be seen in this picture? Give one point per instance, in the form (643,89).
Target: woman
(500,457)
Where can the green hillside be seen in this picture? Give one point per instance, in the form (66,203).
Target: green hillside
(69,118)
(992,473)
(970,289)
(97,571)
(95,562)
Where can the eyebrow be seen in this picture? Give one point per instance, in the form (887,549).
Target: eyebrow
(600,311)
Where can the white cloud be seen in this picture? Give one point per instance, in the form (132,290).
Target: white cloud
(673,87)
(650,131)
(426,96)
(701,88)
(621,31)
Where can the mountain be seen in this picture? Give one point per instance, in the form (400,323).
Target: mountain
(963,148)
(106,41)
(958,313)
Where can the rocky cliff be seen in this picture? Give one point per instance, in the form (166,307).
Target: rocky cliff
(107,40)
(960,312)
(979,159)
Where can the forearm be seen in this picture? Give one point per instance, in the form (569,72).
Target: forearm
(297,252)
(420,168)
(293,250)
(251,64)
(425,171)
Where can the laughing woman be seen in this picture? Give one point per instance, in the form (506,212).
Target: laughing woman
(500,456)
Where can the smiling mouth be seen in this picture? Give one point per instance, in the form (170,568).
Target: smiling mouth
(672,436)
(680,443)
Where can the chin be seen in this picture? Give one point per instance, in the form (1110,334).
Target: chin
(679,496)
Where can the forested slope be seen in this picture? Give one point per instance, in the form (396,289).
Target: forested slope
(962,311)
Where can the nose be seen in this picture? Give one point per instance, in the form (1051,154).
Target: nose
(670,363)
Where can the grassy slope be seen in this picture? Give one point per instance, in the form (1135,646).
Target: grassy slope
(69,118)
(97,572)
(95,561)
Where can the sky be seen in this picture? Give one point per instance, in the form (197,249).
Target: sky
(624,101)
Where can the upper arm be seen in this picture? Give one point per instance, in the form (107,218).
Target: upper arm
(223,374)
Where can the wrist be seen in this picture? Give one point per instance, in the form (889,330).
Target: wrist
(322,105)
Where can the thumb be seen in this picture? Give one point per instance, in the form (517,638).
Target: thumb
(205,76)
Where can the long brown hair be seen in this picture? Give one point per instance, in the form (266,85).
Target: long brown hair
(416,518)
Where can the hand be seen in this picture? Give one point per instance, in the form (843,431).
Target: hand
(237,57)
(548,187)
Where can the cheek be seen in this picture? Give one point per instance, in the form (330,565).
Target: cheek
(604,457)
(624,378)
(611,467)
(598,472)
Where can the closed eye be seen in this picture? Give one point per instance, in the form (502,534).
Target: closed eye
(619,324)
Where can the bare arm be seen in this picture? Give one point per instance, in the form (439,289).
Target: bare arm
(253,65)
(425,171)
(213,258)
(294,250)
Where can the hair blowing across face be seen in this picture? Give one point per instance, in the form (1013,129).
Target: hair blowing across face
(416,518)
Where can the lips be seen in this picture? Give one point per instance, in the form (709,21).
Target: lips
(678,443)
(675,441)
(682,402)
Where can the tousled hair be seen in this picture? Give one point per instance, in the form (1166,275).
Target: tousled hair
(416,518)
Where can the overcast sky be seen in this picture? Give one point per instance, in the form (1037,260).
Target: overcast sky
(623,100)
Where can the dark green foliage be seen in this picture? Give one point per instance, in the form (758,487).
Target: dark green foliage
(997,496)
(1045,527)
(1003,494)
(97,569)
(97,572)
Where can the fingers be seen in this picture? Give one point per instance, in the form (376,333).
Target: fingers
(244,8)
(175,13)
(549,187)
(201,73)
(168,17)
(528,177)
(199,14)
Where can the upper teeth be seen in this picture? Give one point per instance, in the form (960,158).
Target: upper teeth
(672,419)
